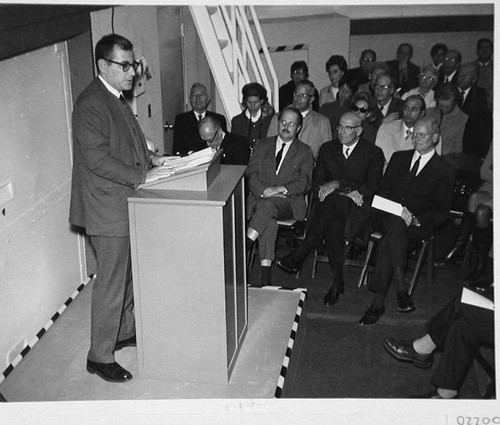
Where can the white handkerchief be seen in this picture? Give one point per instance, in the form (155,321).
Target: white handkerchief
(387,205)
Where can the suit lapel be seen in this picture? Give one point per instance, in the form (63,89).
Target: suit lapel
(292,151)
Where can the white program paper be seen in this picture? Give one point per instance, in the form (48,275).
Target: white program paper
(473,298)
(387,205)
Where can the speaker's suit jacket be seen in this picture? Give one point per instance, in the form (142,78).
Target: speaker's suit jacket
(412,72)
(295,173)
(186,136)
(109,162)
(110,159)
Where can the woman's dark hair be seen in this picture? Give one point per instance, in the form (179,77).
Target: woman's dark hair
(254,89)
(336,60)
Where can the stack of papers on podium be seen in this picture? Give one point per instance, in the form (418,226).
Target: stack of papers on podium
(178,163)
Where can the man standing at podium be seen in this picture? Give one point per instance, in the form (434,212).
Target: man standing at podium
(279,175)
(110,160)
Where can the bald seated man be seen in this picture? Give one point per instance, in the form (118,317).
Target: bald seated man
(347,176)
(235,148)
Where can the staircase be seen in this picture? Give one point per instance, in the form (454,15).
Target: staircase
(232,52)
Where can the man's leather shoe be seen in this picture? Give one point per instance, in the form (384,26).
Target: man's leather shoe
(129,342)
(111,372)
(371,316)
(433,394)
(332,296)
(405,302)
(287,264)
(404,351)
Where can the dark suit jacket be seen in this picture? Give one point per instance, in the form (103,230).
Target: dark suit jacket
(240,124)
(476,102)
(236,150)
(286,96)
(441,78)
(362,171)
(412,72)
(428,195)
(357,75)
(109,162)
(186,136)
(396,105)
(295,173)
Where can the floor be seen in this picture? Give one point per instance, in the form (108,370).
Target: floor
(335,357)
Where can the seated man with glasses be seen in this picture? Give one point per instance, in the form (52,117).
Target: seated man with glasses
(393,136)
(451,63)
(298,72)
(346,177)
(422,183)
(427,80)
(235,148)
(279,176)
(316,128)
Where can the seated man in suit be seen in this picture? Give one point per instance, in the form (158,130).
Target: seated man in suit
(346,176)
(279,175)
(451,63)
(484,64)
(316,127)
(393,136)
(362,72)
(458,330)
(390,107)
(236,149)
(403,71)
(298,72)
(186,137)
(377,68)
(422,182)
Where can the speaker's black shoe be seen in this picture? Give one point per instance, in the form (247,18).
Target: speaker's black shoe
(129,342)
(111,372)
(404,351)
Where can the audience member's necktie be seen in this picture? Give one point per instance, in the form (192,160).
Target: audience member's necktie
(122,100)
(199,117)
(446,80)
(279,155)
(408,134)
(414,169)
(347,153)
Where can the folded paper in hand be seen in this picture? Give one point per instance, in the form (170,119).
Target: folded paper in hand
(387,205)
(178,163)
(473,298)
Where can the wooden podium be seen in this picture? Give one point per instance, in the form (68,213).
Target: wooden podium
(189,274)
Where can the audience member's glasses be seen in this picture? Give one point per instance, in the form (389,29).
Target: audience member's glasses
(367,59)
(301,95)
(450,59)
(427,77)
(287,123)
(420,136)
(361,109)
(382,87)
(298,71)
(125,65)
(347,128)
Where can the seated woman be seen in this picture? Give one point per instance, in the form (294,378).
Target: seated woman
(336,66)
(476,222)
(427,80)
(363,104)
(254,121)
(334,110)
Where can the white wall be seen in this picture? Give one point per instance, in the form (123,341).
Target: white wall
(324,35)
(40,263)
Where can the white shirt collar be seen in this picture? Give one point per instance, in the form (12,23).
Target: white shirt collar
(197,114)
(351,147)
(424,159)
(112,90)
(253,119)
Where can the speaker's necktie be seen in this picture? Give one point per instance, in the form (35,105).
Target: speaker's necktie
(347,153)
(414,169)
(279,155)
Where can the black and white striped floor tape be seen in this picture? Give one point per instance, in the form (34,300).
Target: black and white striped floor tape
(42,331)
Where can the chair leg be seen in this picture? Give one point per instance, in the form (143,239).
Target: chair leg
(430,260)
(315,262)
(418,266)
(364,271)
